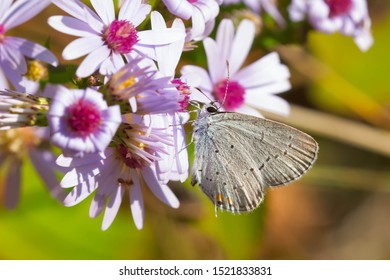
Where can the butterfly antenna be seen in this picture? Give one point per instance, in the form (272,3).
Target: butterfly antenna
(227,84)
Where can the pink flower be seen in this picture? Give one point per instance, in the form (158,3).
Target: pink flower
(202,13)
(108,42)
(349,17)
(246,88)
(13,50)
(81,122)
(119,170)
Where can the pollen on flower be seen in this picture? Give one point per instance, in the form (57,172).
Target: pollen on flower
(127,83)
(185,92)
(84,118)
(230,93)
(338,7)
(121,36)
(36,71)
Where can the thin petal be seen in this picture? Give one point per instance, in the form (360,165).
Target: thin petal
(112,207)
(13,57)
(268,102)
(160,37)
(81,47)
(136,200)
(4,7)
(162,192)
(72,26)
(93,61)
(216,65)
(23,10)
(79,193)
(134,11)
(197,77)
(33,50)
(266,70)
(43,164)
(80,11)
(105,10)
(224,40)
(242,44)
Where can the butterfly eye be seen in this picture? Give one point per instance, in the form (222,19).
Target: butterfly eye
(211,109)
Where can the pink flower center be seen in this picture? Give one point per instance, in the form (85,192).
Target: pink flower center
(185,91)
(131,159)
(2,33)
(192,1)
(234,94)
(84,118)
(121,36)
(338,7)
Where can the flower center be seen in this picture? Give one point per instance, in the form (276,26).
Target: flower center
(84,118)
(36,71)
(192,1)
(185,92)
(121,36)
(2,33)
(338,7)
(130,158)
(230,94)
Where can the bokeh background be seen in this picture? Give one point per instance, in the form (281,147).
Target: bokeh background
(339,210)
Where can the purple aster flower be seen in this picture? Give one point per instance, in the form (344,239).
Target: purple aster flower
(349,17)
(258,5)
(13,50)
(81,122)
(120,169)
(253,86)
(108,42)
(202,13)
(18,145)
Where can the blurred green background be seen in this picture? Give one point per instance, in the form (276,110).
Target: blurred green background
(339,210)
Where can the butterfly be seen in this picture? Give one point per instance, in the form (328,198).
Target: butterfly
(238,156)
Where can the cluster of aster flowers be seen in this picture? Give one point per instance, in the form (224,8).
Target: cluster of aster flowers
(120,122)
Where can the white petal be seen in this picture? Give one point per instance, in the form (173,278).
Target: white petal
(182,9)
(136,201)
(112,207)
(160,37)
(216,65)
(81,47)
(80,11)
(134,11)
(241,46)
(105,10)
(162,192)
(198,24)
(21,11)
(72,26)
(268,102)
(197,77)
(93,61)
(79,193)
(266,70)
(224,39)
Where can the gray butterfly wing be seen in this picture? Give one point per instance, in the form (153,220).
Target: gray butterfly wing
(237,156)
